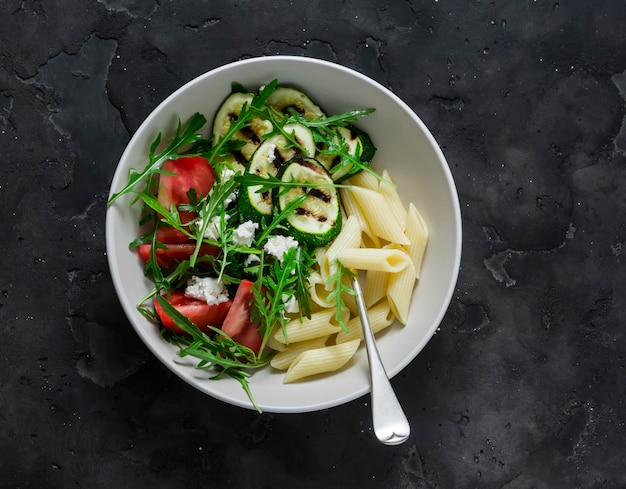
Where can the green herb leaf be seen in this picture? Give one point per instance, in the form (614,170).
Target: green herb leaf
(184,136)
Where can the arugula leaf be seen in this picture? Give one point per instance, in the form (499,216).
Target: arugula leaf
(183,137)
(219,351)
(339,283)
(328,121)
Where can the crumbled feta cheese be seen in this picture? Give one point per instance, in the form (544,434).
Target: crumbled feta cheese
(230,199)
(271,153)
(214,228)
(226,174)
(244,234)
(252,259)
(208,289)
(291,304)
(278,245)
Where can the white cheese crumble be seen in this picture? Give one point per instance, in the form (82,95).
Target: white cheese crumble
(208,289)
(291,304)
(278,245)
(230,199)
(214,228)
(252,259)
(271,153)
(226,174)
(244,233)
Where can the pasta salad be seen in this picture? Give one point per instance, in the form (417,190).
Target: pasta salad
(252,235)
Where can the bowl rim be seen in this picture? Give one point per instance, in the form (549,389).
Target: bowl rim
(130,310)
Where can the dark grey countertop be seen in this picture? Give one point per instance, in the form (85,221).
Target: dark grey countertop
(524,384)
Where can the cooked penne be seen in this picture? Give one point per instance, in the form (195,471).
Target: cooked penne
(364,179)
(273,343)
(321,360)
(417,232)
(388,190)
(283,359)
(375,287)
(400,291)
(381,259)
(377,211)
(369,239)
(317,290)
(319,324)
(349,237)
(380,317)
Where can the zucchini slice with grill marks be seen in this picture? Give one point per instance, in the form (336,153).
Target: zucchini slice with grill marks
(317,221)
(267,161)
(251,135)
(284,98)
(357,143)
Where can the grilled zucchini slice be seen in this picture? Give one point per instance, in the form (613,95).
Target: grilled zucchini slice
(317,221)
(284,98)
(357,143)
(251,135)
(267,161)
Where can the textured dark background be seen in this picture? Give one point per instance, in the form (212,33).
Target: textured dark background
(524,384)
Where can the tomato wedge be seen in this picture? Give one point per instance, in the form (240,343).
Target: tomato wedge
(192,172)
(170,235)
(197,311)
(176,252)
(237,323)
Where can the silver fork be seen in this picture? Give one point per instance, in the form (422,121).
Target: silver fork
(391,425)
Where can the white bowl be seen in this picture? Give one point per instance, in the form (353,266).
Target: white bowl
(405,147)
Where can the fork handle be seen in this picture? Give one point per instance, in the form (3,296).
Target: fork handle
(391,425)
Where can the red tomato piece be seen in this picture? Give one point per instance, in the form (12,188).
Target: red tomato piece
(237,322)
(197,311)
(176,252)
(192,172)
(170,235)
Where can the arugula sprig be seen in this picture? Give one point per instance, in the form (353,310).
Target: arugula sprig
(247,113)
(217,350)
(338,282)
(183,137)
(329,140)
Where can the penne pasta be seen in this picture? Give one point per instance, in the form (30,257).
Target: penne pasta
(375,287)
(273,343)
(317,290)
(364,179)
(319,324)
(400,291)
(377,211)
(369,239)
(377,259)
(380,317)
(389,191)
(320,360)
(417,233)
(283,359)
(349,237)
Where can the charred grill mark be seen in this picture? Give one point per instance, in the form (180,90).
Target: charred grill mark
(266,195)
(320,194)
(250,134)
(240,158)
(278,160)
(306,163)
(305,212)
(300,110)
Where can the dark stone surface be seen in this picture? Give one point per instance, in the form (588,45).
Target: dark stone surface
(524,384)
